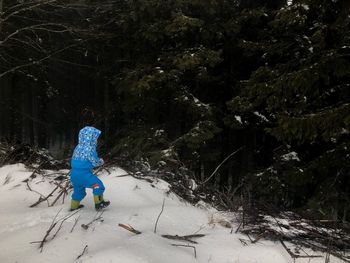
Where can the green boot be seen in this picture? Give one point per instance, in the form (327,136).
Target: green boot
(74,205)
(100,203)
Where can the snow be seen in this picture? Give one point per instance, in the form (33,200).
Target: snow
(306,7)
(290,156)
(238,118)
(261,116)
(159,132)
(134,202)
(168,152)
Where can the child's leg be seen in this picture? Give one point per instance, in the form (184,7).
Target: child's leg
(78,194)
(78,188)
(98,189)
(97,186)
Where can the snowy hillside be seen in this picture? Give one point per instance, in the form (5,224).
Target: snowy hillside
(133,202)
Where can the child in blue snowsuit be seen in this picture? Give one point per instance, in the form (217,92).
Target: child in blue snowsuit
(84,159)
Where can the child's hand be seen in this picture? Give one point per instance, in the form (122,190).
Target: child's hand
(102,161)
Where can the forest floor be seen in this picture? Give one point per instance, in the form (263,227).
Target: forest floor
(144,205)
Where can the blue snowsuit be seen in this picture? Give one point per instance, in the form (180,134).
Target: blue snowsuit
(84,159)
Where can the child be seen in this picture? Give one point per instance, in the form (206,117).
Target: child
(84,159)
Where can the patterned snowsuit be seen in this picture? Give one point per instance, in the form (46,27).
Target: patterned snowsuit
(84,159)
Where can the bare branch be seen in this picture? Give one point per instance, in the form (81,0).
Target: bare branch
(42,199)
(53,224)
(24,9)
(217,168)
(35,62)
(42,26)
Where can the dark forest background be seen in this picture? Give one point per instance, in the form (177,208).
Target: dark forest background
(182,84)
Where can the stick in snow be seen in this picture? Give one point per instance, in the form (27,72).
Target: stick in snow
(155,227)
(187,238)
(41,199)
(52,226)
(75,223)
(96,217)
(194,248)
(130,228)
(84,250)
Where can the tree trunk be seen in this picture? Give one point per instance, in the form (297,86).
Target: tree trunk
(106,110)
(1,8)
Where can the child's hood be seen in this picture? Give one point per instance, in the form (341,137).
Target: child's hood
(89,135)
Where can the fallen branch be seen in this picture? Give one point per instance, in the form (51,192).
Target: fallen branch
(130,228)
(62,221)
(294,256)
(64,191)
(34,191)
(42,199)
(312,234)
(53,224)
(319,248)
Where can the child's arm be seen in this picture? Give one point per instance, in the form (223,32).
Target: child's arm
(94,159)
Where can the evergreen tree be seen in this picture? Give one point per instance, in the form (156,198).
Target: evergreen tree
(300,96)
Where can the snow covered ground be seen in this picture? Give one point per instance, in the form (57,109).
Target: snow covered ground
(134,202)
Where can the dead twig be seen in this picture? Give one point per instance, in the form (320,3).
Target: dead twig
(42,199)
(218,167)
(194,248)
(130,228)
(75,223)
(319,248)
(239,226)
(7,179)
(187,238)
(53,224)
(243,241)
(82,253)
(294,256)
(261,235)
(96,218)
(62,221)
(155,226)
(64,191)
(34,191)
